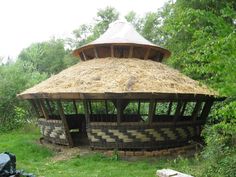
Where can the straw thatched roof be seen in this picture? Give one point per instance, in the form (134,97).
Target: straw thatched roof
(112,75)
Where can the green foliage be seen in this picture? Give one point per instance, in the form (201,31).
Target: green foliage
(48,57)
(14,79)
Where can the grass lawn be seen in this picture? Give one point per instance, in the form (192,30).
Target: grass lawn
(36,159)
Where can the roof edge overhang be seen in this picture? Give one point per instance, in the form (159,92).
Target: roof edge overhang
(123,95)
(79,52)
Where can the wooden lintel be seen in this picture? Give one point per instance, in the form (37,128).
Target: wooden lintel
(65,123)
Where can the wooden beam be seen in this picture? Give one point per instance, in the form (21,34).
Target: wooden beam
(151,111)
(44,109)
(131,51)
(65,123)
(75,107)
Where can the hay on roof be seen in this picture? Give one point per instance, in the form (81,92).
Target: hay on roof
(119,76)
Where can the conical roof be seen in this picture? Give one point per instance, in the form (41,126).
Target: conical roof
(122,40)
(108,78)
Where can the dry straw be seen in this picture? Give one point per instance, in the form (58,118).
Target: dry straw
(119,75)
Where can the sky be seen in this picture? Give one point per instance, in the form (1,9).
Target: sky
(23,22)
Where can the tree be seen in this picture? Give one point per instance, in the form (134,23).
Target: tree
(48,57)
(87,33)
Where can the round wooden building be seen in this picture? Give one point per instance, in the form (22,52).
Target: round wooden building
(120,96)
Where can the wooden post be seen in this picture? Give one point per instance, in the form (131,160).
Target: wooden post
(106,106)
(170,107)
(139,107)
(35,107)
(131,51)
(86,111)
(183,108)
(39,108)
(147,53)
(196,111)
(151,112)
(65,123)
(45,111)
(75,107)
(206,109)
(85,58)
(178,110)
(49,107)
(112,51)
(119,111)
(95,52)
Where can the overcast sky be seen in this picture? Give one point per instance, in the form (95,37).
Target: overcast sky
(23,22)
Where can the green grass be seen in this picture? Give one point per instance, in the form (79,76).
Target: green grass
(36,159)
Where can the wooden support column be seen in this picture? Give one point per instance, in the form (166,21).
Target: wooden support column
(131,51)
(44,109)
(35,107)
(183,108)
(85,58)
(196,111)
(39,108)
(119,107)
(169,108)
(75,107)
(106,107)
(112,51)
(138,107)
(178,110)
(87,115)
(151,112)
(206,109)
(65,123)
(49,106)
(147,54)
(95,52)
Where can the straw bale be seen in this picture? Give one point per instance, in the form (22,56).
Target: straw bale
(119,76)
